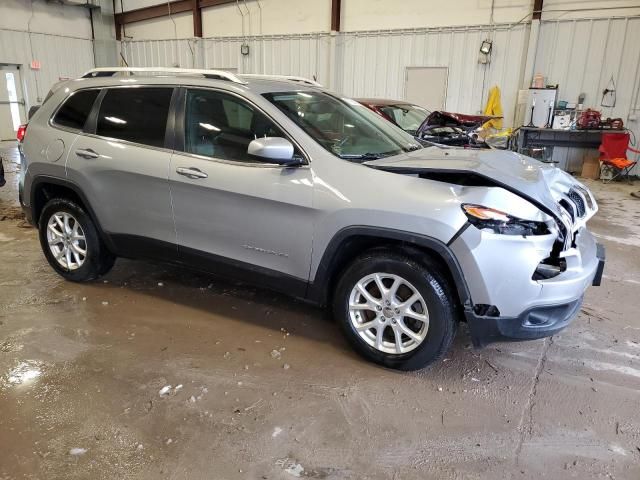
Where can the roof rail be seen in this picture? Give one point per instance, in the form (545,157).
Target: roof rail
(292,78)
(111,71)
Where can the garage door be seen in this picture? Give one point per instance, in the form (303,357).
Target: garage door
(11,102)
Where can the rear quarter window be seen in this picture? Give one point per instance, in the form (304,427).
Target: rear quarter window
(137,115)
(74,111)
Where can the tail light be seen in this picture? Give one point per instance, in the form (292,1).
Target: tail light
(22,130)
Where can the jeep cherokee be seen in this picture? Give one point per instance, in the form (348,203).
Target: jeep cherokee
(281,183)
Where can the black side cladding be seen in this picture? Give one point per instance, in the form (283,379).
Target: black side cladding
(600,253)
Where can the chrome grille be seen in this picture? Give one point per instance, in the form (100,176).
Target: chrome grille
(578,201)
(569,207)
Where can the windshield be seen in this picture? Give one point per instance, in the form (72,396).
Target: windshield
(344,127)
(408,117)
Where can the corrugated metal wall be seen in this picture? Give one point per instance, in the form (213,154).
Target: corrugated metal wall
(162,53)
(374,63)
(305,55)
(366,63)
(582,56)
(60,56)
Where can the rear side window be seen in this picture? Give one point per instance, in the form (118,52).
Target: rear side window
(74,112)
(135,114)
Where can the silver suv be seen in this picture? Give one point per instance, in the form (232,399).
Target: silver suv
(281,183)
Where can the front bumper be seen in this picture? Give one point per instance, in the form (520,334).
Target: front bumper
(533,323)
(537,322)
(499,269)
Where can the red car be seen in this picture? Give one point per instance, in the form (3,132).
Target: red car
(431,127)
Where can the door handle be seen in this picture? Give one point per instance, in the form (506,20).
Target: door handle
(88,153)
(191,172)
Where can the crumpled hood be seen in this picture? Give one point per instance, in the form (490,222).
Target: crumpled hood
(440,118)
(538,182)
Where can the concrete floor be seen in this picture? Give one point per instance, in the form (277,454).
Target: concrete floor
(270,390)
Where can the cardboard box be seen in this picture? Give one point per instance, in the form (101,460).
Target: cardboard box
(591,166)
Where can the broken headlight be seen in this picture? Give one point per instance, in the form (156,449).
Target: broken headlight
(485,218)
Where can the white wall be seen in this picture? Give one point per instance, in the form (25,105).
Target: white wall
(161,28)
(393,14)
(51,18)
(283,17)
(305,55)
(582,56)
(135,4)
(365,63)
(278,17)
(589,9)
(60,39)
(374,64)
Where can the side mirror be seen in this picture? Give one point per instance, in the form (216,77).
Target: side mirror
(273,150)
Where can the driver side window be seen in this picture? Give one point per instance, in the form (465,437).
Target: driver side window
(221,126)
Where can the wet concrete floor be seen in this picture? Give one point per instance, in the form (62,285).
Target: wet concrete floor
(257,386)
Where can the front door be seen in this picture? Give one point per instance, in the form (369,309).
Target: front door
(11,102)
(234,211)
(122,164)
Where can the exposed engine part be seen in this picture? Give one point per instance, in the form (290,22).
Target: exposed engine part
(549,267)
(484,310)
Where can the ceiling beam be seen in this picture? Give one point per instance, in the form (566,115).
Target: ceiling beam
(163,10)
(538,5)
(155,11)
(336,7)
(214,3)
(197,19)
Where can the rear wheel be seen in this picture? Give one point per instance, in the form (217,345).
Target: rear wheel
(395,310)
(71,243)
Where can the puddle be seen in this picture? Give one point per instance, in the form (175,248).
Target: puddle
(24,373)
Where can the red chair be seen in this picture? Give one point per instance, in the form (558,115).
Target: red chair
(613,154)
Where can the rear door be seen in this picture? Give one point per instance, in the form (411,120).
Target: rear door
(230,209)
(121,164)
(47,149)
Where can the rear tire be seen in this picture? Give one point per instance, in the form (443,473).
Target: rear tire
(70,242)
(406,303)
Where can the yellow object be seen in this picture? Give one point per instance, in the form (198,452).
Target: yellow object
(504,133)
(494,108)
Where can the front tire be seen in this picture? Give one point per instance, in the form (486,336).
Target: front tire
(395,310)
(71,243)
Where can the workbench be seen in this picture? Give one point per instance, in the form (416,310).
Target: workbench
(563,147)
(548,137)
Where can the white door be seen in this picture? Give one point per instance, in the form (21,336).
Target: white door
(11,102)
(427,87)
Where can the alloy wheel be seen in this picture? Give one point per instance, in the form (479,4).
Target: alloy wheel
(388,313)
(66,240)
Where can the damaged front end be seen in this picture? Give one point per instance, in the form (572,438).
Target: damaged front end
(454,129)
(525,251)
